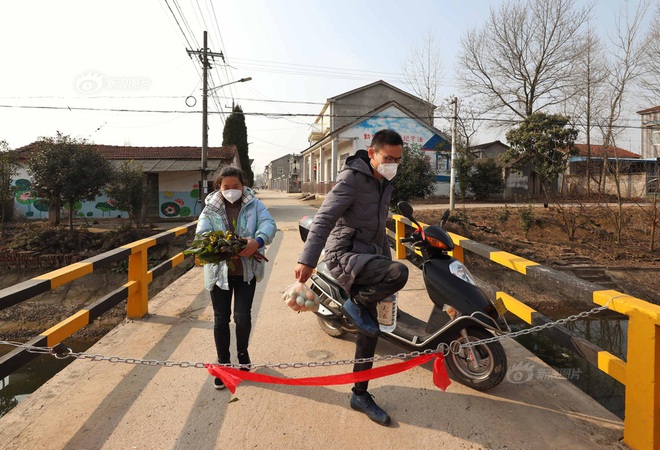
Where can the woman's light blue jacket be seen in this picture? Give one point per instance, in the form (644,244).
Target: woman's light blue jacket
(253,221)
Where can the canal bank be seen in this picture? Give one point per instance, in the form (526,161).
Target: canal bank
(104,405)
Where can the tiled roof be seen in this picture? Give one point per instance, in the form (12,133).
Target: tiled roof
(114,152)
(649,110)
(487,144)
(383,83)
(599,151)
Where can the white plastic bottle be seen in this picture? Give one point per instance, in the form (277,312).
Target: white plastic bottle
(387,313)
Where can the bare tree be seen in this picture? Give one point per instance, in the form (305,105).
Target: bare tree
(588,104)
(626,53)
(423,70)
(468,120)
(651,60)
(575,212)
(521,60)
(652,208)
(618,217)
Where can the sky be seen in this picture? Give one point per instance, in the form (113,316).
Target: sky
(118,73)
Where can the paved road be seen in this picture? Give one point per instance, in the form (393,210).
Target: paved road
(93,405)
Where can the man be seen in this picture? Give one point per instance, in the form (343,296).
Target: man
(350,224)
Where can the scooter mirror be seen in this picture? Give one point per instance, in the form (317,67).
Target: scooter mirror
(406,210)
(444,218)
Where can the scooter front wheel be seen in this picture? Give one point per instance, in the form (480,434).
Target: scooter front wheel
(481,367)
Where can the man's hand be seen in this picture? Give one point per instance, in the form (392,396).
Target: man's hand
(303,272)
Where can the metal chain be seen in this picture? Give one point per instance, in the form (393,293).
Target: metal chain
(536,328)
(60,351)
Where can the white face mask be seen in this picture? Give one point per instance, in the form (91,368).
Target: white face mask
(387,170)
(232,194)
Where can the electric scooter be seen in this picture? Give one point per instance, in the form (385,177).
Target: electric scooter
(461,313)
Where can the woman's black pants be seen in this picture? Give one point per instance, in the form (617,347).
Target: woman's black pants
(243,294)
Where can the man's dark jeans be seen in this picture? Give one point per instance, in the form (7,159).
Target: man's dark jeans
(379,279)
(243,294)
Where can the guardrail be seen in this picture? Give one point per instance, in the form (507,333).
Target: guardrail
(135,291)
(640,374)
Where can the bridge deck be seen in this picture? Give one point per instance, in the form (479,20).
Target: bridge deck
(104,405)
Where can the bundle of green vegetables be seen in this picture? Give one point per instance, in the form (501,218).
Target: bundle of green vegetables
(213,247)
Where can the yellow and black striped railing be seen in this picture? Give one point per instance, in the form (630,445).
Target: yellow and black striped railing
(135,291)
(640,373)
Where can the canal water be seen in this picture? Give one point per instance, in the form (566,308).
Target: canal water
(19,385)
(608,332)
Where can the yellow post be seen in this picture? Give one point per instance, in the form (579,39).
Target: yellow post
(458,253)
(137,304)
(642,420)
(399,233)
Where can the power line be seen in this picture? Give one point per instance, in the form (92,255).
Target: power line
(274,115)
(177,22)
(222,43)
(337,69)
(245,99)
(185,22)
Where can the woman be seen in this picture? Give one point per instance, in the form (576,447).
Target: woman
(233,207)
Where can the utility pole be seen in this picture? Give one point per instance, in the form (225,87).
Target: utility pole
(452,174)
(204,55)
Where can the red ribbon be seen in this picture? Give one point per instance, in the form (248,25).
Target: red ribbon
(232,377)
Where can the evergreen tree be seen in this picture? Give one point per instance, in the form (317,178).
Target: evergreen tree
(8,169)
(235,133)
(415,177)
(486,179)
(545,139)
(128,189)
(66,170)
(464,164)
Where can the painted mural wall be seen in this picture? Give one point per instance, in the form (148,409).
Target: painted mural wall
(178,196)
(412,132)
(28,205)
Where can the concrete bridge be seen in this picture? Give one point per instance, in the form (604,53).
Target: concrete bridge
(101,404)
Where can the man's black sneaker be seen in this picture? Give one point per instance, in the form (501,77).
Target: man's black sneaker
(218,384)
(244,359)
(359,315)
(365,404)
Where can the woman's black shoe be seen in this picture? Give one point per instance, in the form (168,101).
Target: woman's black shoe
(244,359)
(218,384)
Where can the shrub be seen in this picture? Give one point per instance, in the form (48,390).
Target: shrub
(486,179)
(526,219)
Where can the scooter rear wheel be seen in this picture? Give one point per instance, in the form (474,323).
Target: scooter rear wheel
(336,328)
(331,327)
(491,362)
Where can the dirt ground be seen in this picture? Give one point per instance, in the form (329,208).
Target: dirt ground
(629,263)
(27,319)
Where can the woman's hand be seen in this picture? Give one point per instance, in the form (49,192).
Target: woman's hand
(251,247)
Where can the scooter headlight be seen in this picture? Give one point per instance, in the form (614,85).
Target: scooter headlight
(459,270)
